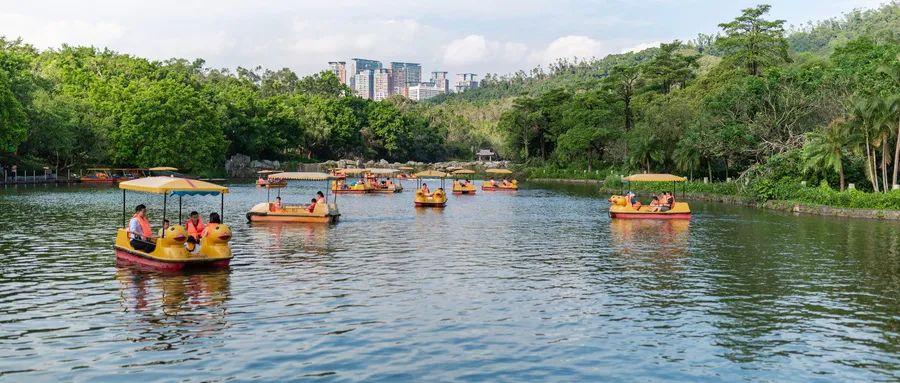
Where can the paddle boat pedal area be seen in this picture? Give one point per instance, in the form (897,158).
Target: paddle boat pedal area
(170,252)
(621,208)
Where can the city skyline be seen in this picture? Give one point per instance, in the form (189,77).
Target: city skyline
(460,37)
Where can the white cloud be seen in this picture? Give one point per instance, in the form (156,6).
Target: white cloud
(642,46)
(45,33)
(476,49)
(581,47)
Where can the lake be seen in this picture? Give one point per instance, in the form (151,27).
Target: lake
(537,285)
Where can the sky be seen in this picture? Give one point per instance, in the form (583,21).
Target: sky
(478,36)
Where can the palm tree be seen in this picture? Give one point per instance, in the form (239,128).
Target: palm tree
(882,131)
(862,113)
(644,150)
(824,149)
(687,157)
(893,110)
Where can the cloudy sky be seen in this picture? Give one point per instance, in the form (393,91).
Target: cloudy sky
(457,36)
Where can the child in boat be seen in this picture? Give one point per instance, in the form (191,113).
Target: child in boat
(312,205)
(320,197)
(425,189)
(139,230)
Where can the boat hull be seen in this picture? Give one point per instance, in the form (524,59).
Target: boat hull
(349,191)
(387,191)
(490,188)
(437,205)
(286,218)
(650,215)
(107,181)
(461,192)
(140,258)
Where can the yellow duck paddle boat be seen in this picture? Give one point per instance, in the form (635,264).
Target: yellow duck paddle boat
(169,251)
(494,185)
(436,199)
(383,181)
(342,186)
(405,170)
(264,181)
(323,212)
(628,207)
(462,184)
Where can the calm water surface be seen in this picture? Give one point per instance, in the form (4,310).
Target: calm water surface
(534,286)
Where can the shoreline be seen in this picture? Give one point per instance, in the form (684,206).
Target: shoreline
(786,206)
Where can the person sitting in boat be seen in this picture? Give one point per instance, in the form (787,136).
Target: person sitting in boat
(213,218)
(505,182)
(655,204)
(389,183)
(425,189)
(163,229)
(139,230)
(493,182)
(320,197)
(277,206)
(632,199)
(194,226)
(312,205)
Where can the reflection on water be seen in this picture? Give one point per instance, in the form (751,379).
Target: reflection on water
(538,285)
(169,310)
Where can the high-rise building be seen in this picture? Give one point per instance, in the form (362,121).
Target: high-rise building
(424,91)
(465,81)
(339,68)
(364,83)
(439,79)
(384,84)
(405,75)
(357,65)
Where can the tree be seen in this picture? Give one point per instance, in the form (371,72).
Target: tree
(324,84)
(752,42)
(167,123)
(824,150)
(13,120)
(668,68)
(624,81)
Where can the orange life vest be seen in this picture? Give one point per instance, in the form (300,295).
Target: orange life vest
(311,207)
(145,226)
(195,230)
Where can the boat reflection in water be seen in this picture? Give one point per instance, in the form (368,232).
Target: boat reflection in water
(170,308)
(664,239)
(280,238)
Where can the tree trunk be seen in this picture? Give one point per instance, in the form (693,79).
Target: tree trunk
(873,178)
(590,161)
(525,140)
(726,168)
(841,172)
(896,154)
(709,167)
(884,177)
(628,118)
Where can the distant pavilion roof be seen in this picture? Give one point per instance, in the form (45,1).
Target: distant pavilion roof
(485,152)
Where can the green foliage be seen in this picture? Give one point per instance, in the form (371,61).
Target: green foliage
(13,121)
(166,123)
(752,42)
